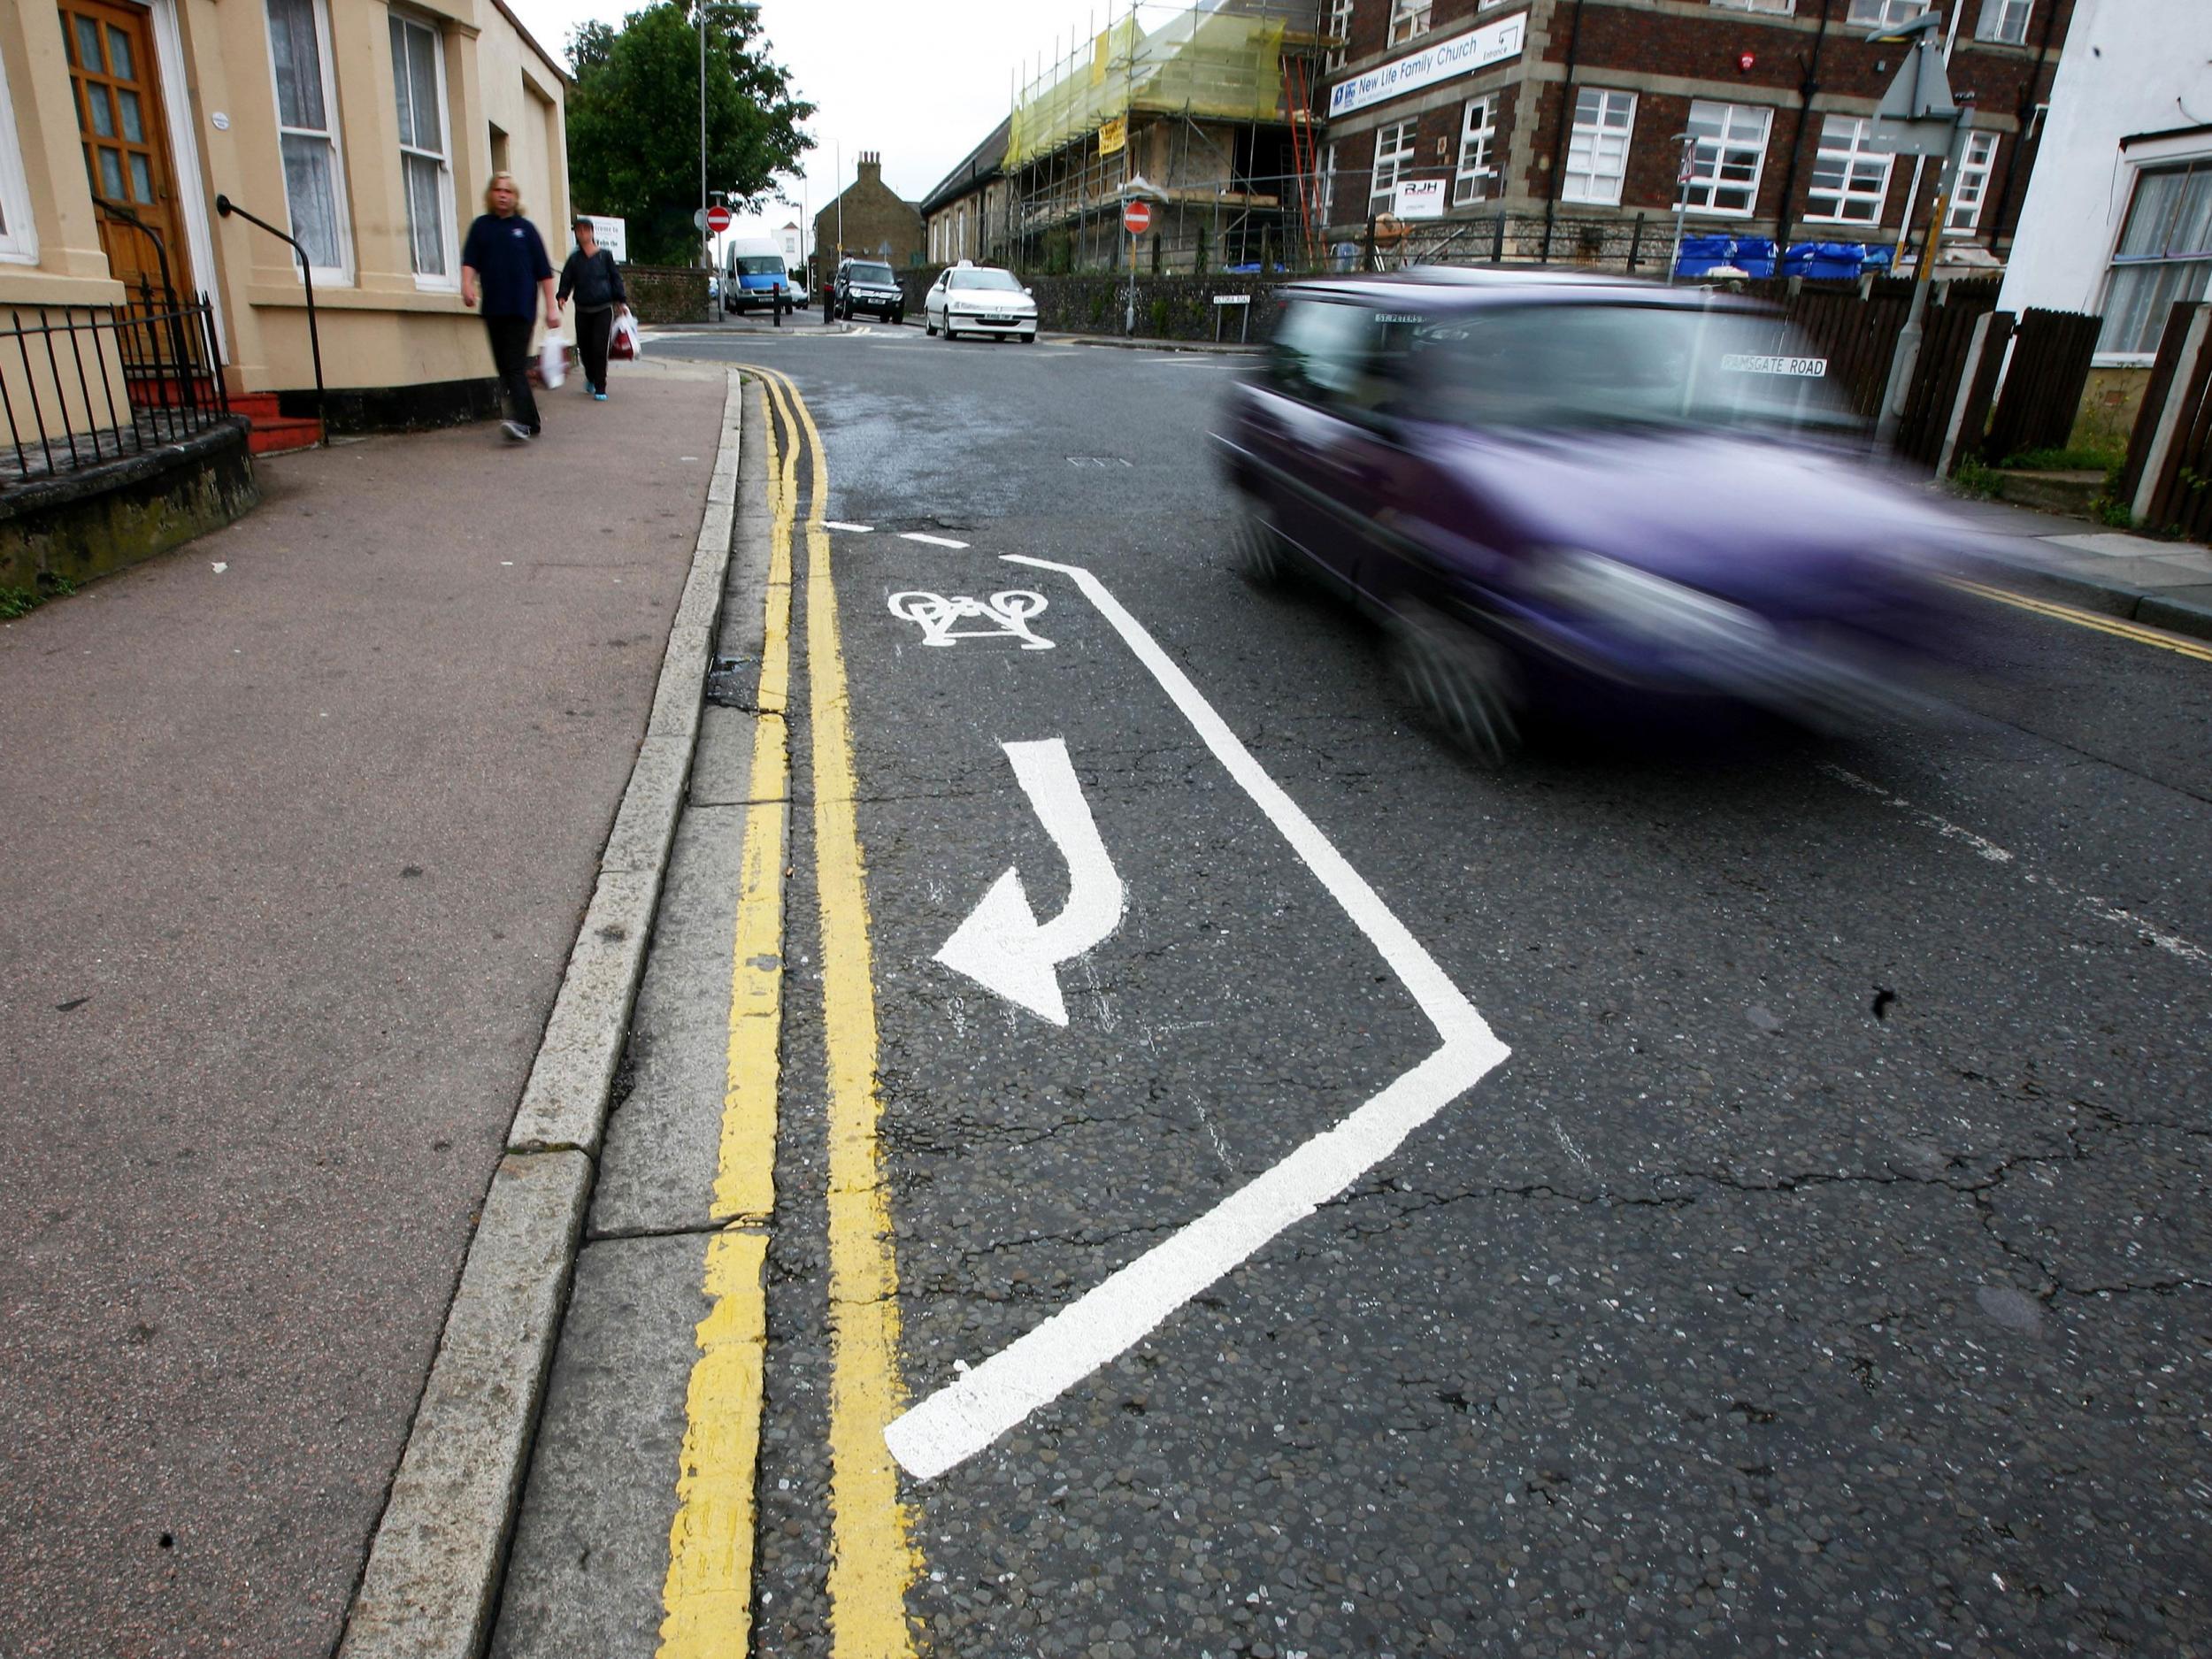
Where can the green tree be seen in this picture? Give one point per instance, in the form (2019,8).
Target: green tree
(634,122)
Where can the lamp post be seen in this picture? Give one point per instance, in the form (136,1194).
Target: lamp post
(1683,173)
(1918,111)
(706,243)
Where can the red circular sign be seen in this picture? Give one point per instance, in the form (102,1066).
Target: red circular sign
(1136,219)
(717,219)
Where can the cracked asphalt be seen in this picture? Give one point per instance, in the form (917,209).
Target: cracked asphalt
(1828,1269)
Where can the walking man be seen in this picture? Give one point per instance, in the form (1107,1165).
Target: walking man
(503,261)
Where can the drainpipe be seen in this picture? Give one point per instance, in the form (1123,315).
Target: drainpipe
(1566,128)
(1808,89)
(2024,113)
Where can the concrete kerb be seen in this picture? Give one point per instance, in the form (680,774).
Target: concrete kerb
(2116,600)
(431,1586)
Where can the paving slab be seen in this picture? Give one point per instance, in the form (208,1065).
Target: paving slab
(301,822)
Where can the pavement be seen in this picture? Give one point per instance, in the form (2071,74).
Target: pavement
(301,823)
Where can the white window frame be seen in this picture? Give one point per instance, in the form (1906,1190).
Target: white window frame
(1382,188)
(1971,190)
(1339,29)
(1881,13)
(1328,183)
(1991,25)
(1409,18)
(448,219)
(1784,8)
(339,275)
(2116,262)
(19,243)
(1588,138)
(1703,191)
(1853,152)
(1471,176)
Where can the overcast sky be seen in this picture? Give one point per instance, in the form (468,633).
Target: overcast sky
(922,83)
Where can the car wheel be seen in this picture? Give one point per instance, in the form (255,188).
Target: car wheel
(1258,551)
(1461,681)
(928,327)
(1030,339)
(949,334)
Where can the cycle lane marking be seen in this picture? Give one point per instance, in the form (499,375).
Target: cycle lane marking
(963,1417)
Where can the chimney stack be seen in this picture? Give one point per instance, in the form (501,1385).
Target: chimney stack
(872,166)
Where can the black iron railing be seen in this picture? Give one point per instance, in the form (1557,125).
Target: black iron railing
(81,384)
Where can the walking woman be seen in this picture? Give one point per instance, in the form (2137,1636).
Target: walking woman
(503,261)
(593,277)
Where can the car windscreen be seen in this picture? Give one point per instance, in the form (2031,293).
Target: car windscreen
(1610,365)
(877,273)
(759,264)
(1001,280)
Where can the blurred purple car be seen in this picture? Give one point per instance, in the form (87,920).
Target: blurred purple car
(1546,486)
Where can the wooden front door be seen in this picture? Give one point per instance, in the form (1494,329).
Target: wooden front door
(112,71)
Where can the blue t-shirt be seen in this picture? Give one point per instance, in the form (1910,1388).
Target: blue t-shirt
(510,262)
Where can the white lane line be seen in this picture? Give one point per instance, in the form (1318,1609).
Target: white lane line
(961,1419)
(2167,940)
(934,540)
(852,529)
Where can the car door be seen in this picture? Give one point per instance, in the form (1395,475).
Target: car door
(1317,439)
(933,307)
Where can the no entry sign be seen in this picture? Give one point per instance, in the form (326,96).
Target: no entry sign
(717,219)
(1136,219)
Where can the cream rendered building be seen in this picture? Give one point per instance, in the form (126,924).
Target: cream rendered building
(364,129)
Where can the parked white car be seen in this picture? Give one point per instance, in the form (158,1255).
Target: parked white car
(980,299)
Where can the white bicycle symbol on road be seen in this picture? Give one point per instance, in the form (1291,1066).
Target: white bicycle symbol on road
(936,615)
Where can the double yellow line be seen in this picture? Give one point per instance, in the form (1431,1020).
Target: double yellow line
(2134,631)
(708,1595)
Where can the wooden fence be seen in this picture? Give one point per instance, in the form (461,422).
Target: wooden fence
(1947,337)
(2051,354)
(2167,478)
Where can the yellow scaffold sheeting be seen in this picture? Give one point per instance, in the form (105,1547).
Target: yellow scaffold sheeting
(1206,65)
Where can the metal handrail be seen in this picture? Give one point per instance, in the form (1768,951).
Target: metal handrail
(225,207)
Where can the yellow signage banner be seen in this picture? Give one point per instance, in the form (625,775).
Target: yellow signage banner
(1113,135)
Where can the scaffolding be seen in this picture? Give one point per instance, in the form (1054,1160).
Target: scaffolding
(1203,109)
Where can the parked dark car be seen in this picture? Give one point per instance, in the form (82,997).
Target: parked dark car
(1548,486)
(865,286)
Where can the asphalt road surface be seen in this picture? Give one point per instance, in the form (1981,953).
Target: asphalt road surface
(1331,1198)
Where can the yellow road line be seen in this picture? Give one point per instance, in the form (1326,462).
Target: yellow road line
(872,1559)
(708,1596)
(2134,631)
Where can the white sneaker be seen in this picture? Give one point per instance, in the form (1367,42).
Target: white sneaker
(517,432)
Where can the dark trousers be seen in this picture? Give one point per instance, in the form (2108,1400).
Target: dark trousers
(510,356)
(592,331)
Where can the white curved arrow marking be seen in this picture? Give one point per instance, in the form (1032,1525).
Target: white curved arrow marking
(1001,946)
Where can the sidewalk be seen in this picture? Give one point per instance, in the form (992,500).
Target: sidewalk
(2159,584)
(300,820)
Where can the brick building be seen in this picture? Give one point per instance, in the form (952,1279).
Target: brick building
(1567,118)
(869,219)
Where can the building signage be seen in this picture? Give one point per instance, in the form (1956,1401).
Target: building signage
(613,234)
(1421,198)
(1463,55)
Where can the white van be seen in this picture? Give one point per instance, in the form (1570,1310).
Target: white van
(754,278)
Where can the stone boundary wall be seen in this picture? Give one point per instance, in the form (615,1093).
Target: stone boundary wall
(668,294)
